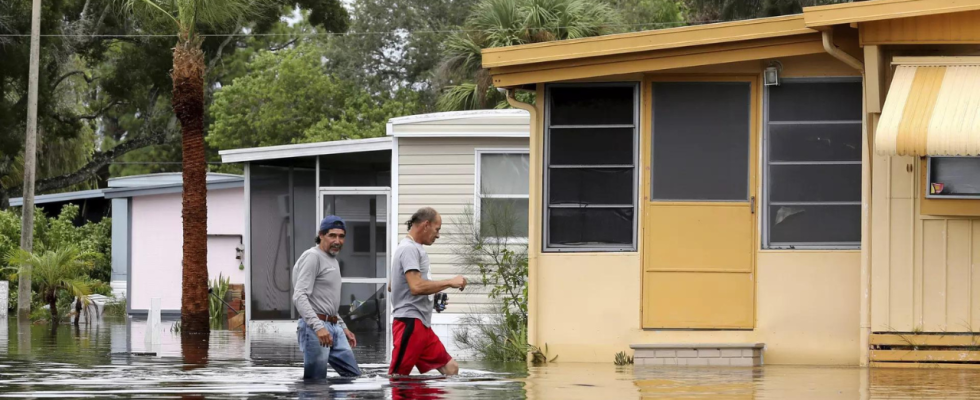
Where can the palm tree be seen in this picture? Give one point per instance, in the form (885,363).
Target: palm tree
(498,23)
(53,271)
(183,18)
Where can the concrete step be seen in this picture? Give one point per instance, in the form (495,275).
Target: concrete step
(699,354)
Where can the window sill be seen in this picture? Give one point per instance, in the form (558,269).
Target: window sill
(811,251)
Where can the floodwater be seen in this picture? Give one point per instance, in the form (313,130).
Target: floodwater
(110,359)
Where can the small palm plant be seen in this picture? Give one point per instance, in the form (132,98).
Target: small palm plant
(64,269)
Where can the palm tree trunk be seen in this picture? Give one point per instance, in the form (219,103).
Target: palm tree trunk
(188,105)
(53,305)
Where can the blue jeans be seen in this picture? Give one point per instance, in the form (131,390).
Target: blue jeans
(316,357)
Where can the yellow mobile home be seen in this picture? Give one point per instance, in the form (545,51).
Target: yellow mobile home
(799,188)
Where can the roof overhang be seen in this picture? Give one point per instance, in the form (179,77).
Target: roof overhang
(808,42)
(305,150)
(932,108)
(820,17)
(138,191)
(505,123)
(610,45)
(60,197)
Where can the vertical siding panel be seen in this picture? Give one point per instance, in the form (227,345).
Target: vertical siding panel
(902,298)
(975,277)
(958,278)
(901,179)
(880,247)
(933,275)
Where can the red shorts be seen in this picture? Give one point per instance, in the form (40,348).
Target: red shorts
(415,345)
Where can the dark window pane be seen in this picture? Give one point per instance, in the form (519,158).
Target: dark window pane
(959,175)
(815,183)
(591,146)
(596,226)
(701,141)
(360,237)
(814,224)
(591,105)
(815,101)
(503,217)
(591,186)
(823,142)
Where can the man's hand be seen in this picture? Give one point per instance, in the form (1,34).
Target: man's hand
(350,337)
(326,340)
(458,282)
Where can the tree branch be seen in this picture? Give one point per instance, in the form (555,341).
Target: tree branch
(98,161)
(283,46)
(66,76)
(101,111)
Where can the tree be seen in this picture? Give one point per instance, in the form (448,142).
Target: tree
(104,87)
(63,269)
(642,15)
(706,11)
(498,23)
(184,17)
(396,44)
(254,110)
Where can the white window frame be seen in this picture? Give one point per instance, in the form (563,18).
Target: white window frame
(478,184)
(765,203)
(546,183)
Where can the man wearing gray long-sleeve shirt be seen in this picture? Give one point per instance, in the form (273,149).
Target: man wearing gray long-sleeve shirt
(322,335)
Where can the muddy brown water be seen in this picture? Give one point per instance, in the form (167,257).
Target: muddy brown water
(108,360)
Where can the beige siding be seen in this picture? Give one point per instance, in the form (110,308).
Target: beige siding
(922,265)
(440,173)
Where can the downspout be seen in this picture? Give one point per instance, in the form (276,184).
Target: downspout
(532,267)
(864,334)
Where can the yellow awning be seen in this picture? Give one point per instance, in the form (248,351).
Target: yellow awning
(932,108)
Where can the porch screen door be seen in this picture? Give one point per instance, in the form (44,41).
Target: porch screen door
(699,222)
(363,262)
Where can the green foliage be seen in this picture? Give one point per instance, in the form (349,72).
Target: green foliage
(499,23)
(641,15)
(623,359)
(486,247)
(219,288)
(115,309)
(93,241)
(701,11)
(290,97)
(58,272)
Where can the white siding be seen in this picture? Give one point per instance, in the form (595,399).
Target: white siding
(440,173)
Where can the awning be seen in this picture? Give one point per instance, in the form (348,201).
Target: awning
(932,108)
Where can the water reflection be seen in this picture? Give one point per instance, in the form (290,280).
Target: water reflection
(111,359)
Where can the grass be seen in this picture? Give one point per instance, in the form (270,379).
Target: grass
(115,309)
(623,359)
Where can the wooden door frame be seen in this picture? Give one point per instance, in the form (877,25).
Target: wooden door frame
(646,141)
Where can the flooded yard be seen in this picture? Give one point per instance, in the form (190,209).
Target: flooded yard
(111,360)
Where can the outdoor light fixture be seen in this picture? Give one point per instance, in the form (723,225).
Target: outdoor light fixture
(772,73)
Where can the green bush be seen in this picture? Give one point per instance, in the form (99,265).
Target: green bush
(93,240)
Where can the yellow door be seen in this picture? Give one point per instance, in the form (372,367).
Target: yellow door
(700,203)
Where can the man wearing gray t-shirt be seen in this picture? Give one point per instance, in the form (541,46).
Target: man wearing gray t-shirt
(415,344)
(322,335)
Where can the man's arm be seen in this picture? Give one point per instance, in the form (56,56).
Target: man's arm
(306,268)
(423,287)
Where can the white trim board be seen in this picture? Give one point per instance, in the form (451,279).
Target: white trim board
(305,150)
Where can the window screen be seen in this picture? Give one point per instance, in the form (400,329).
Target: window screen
(590,174)
(813,165)
(701,141)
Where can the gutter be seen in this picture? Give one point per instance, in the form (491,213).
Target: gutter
(864,334)
(532,254)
